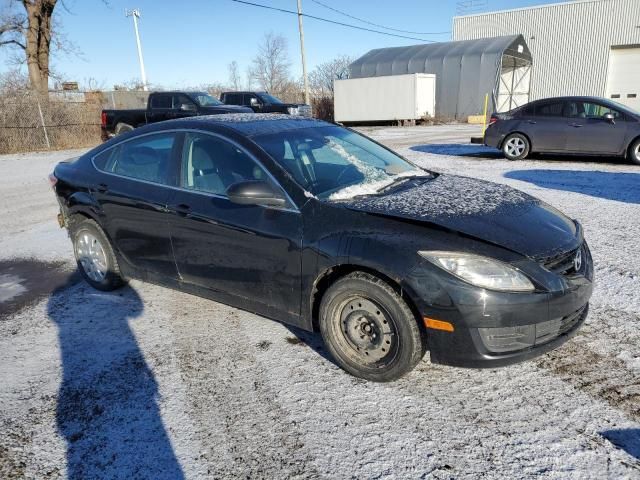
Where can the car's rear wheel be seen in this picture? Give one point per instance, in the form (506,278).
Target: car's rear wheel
(122,128)
(634,152)
(369,329)
(516,147)
(95,256)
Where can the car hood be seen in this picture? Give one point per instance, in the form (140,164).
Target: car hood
(486,211)
(226,109)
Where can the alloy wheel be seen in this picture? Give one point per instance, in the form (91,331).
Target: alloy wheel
(515,147)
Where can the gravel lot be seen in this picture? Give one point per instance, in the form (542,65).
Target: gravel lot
(151,383)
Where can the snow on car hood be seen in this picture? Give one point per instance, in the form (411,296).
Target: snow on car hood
(488,211)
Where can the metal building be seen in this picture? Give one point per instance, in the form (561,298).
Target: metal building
(584,47)
(465,72)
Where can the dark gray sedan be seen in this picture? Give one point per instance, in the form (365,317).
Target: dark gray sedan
(567,125)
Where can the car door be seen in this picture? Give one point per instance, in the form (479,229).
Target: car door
(160,107)
(252,101)
(547,126)
(590,132)
(248,251)
(183,107)
(133,194)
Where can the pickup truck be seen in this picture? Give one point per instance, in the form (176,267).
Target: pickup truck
(263,102)
(164,106)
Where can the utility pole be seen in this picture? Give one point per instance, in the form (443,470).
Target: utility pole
(135,13)
(304,62)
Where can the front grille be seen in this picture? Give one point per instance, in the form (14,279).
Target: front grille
(305,111)
(564,263)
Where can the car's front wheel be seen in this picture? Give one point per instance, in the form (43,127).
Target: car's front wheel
(96,259)
(634,152)
(516,147)
(369,329)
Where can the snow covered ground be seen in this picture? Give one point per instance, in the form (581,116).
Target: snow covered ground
(152,383)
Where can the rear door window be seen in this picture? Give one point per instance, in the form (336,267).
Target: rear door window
(161,101)
(554,109)
(233,98)
(147,158)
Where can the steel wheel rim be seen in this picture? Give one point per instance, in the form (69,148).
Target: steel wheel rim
(91,256)
(515,146)
(367,332)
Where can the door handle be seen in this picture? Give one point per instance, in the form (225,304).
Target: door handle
(532,122)
(102,188)
(183,209)
(576,125)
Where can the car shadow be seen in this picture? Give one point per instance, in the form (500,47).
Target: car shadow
(313,340)
(107,406)
(459,150)
(619,186)
(628,439)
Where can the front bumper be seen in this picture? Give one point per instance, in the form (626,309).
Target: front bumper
(493,329)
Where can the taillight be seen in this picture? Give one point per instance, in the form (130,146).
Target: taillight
(103,119)
(52,180)
(493,120)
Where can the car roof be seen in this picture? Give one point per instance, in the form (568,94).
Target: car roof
(249,124)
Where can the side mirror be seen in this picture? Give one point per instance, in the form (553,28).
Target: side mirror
(609,118)
(253,101)
(256,192)
(187,107)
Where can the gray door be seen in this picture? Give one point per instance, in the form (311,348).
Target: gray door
(547,127)
(590,132)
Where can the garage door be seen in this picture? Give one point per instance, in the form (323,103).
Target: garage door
(623,84)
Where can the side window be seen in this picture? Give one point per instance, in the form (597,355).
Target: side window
(595,110)
(161,101)
(233,99)
(528,111)
(147,158)
(179,100)
(248,97)
(550,109)
(211,164)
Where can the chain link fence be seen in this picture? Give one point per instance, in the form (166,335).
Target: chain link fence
(59,120)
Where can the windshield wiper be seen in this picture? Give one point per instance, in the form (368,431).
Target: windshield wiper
(401,181)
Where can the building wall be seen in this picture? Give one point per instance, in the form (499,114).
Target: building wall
(570,42)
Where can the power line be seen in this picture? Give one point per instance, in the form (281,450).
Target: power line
(375,24)
(331,21)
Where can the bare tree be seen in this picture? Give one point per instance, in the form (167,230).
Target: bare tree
(31,30)
(234,75)
(271,65)
(322,77)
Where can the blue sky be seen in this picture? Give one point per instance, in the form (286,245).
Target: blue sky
(191,42)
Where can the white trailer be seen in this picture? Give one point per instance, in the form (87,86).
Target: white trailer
(391,98)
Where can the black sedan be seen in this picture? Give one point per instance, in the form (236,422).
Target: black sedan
(567,125)
(317,226)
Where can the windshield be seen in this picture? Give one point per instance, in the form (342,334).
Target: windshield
(270,99)
(205,100)
(335,163)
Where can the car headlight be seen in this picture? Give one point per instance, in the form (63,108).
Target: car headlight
(292,110)
(480,271)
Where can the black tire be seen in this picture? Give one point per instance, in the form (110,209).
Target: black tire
(516,147)
(369,329)
(99,267)
(634,152)
(122,128)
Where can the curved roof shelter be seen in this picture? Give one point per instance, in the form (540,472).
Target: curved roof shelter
(465,72)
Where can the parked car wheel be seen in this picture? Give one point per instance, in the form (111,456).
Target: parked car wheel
(95,256)
(516,147)
(634,152)
(122,128)
(369,329)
